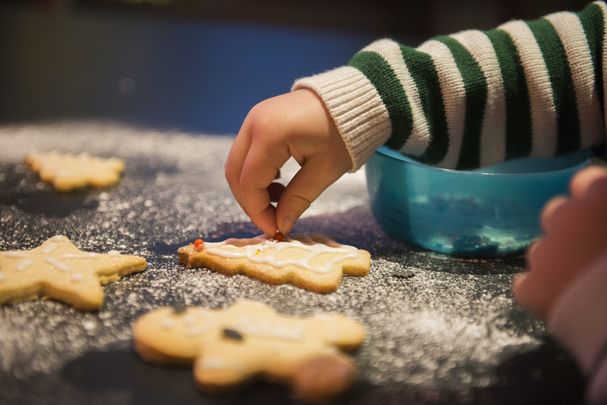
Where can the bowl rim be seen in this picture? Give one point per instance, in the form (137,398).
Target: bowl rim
(386,152)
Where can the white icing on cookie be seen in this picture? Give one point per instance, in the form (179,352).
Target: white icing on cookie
(76,277)
(331,331)
(256,253)
(113,253)
(268,329)
(24,264)
(217,363)
(167,324)
(212,362)
(189,319)
(57,264)
(83,255)
(49,247)
(15,255)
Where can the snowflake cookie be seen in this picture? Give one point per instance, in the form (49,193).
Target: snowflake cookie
(59,270)
(230,346)
(313,262)
(66,171)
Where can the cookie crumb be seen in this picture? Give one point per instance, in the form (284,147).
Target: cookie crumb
(404,274)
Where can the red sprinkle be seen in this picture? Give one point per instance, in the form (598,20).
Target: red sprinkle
(198,244)
(279,236)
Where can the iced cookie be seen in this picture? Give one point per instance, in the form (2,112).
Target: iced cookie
(230,346)
(66,171)
(59,270)
(312,262)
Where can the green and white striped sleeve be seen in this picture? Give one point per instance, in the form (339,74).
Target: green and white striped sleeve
(475,98)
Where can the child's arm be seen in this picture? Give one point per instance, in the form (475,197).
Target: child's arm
(566,284)
(460,101)
(293,124)
(475,98)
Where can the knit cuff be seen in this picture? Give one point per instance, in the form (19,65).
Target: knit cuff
(356,108)
(578,317)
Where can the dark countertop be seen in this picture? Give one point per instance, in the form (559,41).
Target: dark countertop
(440,329)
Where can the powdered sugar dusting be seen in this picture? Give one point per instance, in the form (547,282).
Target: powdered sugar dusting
(435,325)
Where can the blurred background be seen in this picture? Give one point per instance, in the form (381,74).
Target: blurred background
(200,65)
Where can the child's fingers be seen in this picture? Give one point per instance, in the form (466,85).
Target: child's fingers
(531,251)
(311,180)
(525,293)
(552,211)
(583,180)
(533,292)
(517,283)
(235,161)
(258,172)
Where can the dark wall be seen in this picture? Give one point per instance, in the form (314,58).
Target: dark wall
(152,70)
(381,17)
(194,64)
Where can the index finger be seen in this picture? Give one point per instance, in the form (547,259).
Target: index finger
(235,161)
(258,172)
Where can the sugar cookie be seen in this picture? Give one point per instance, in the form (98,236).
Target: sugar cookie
(66,171)
(230,346)
(59,270)
(313,262)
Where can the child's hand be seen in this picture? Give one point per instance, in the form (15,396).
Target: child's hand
(293,124)
(575,231)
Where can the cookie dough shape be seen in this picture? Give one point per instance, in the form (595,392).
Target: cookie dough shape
(230,346)
(313,262)
(59,270)
(66,171)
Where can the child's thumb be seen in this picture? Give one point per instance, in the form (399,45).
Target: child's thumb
(302,190)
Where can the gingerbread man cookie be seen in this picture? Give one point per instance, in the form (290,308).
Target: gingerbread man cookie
(312,262)
(59,270)
(230,346)
(66,171)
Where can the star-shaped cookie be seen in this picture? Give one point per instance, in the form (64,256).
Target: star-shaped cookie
(59,270)
(66,171)
(230,346)
(313,262)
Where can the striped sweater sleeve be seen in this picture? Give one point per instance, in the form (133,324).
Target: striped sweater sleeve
(475,98)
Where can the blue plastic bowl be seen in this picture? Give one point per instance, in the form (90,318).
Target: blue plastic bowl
(492,211)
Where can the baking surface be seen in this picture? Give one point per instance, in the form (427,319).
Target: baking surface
(439,329)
